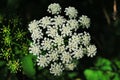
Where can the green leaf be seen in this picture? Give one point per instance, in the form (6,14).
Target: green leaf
(117,62)
(89,74)
(106,68)
(28,66)
(117,77)
(104,64)
(102,61)
(72,75)
(100,75)
(95,75)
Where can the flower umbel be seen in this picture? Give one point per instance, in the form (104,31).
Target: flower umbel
(56,69)
(71,12)
(13,66)
(91,50)
(85,21)
(56,40)
(42,61)
(54,8)
(34,49)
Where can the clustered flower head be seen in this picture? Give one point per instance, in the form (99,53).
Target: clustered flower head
(54,8)
(13,66)
(56,41)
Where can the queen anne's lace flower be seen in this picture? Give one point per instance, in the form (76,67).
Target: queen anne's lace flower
(86,39)
(51,31)
(42,61)
(71,12)
(72,46)
(46,44)
(85,21)
(75,38)
(54,8)
(91,50)
(57,41)
(33,25)
(53,56)
(66,57)
(36,35)
(61,49)
(73,42)
(78,53)
(73,23)
(59,20)
(56,69)
(45,21)
(66,31)
(34,49)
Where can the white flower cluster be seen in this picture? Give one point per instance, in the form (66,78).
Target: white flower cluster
(85,21)
(71,12)
(54,8)
(56,41)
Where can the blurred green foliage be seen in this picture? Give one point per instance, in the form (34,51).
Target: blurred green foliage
(28,66)
(104,69)
(14,46)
